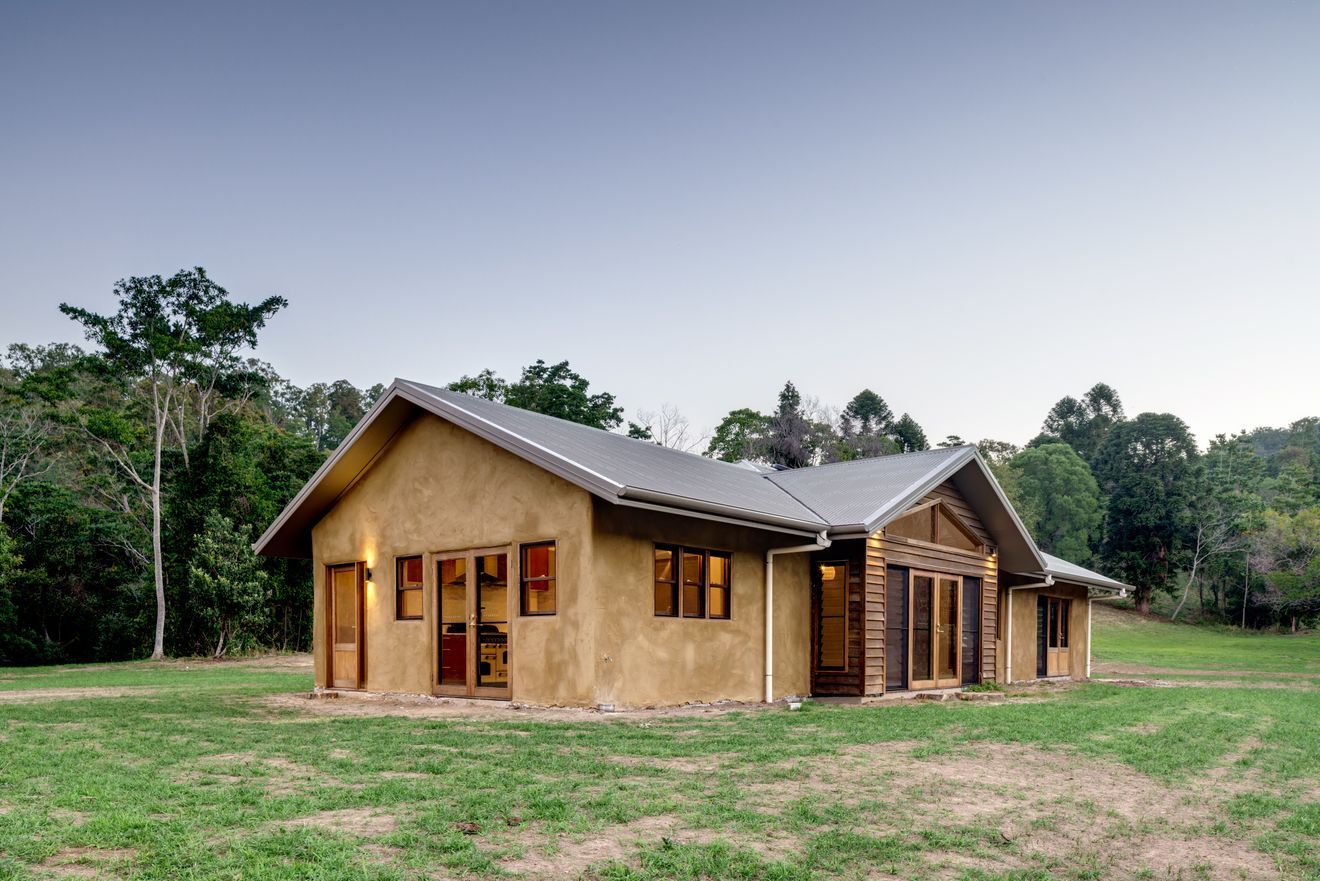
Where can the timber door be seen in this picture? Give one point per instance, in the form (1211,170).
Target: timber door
(1052,617)
(935,639)
(472,620)
(347,635)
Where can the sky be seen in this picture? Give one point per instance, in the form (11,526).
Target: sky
(973,209)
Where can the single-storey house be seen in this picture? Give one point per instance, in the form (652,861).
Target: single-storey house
(464,547)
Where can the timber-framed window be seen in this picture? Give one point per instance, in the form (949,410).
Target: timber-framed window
(832,616)
(537,576)
(1058,609)
(693,583)
(408,589)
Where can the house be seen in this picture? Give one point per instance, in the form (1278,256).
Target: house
(463,547)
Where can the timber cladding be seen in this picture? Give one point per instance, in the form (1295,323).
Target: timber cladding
(883,552)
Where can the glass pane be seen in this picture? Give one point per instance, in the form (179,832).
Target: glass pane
(410,604)
(664,564)
(538,561)
(950,534)
(719,569)
(947,644)
(971,630)
(832,636)
(345,605)
(666,598)
(719,602)
(1054,623)
(453,622)
(1063,624)
(923,589)
(410,572)
(493,620)
(694,585)
(694,605)
(539,597)
(692,568)
(916,526)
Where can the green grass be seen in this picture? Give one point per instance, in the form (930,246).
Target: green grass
(185,772)
(1128,638)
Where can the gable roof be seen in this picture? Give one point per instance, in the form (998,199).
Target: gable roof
(848,499)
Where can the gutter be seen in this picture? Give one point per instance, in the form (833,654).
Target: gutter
(821,543)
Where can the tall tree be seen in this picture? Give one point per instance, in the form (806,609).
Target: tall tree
(909,436)
(1288,550)
(1060,500)
(791,439)
(1083,424)
(1148,468)
(739,436)
(168,337)
(553,389)
(669,428)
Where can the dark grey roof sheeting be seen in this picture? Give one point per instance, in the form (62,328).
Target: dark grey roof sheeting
(859,493)
(1065,571)
(632,468)
(845,499)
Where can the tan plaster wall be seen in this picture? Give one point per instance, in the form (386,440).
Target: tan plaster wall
(646,660)
(1024,630)
(440,488)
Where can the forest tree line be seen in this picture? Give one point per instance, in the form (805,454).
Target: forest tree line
(136,471)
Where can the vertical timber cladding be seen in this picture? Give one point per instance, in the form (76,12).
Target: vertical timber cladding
(850,680)
(882,551)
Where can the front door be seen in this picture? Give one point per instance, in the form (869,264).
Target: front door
(1057,610)
(472,645)
(346,631)
(935,638)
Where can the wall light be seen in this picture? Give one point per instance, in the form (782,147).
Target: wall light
(368,578)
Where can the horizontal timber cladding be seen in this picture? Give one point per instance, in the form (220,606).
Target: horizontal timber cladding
(884,551)
(850,680)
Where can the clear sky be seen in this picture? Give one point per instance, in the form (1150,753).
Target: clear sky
(972,208)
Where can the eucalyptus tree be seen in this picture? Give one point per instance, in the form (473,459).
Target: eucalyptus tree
(171,340)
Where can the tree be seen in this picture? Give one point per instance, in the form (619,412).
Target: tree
(996,453)
(952,440)
(1059,499)
(739,436)
(168,338)
(1287,549)
(864,430)
(909,436)
(1148,469)
(26,431)
(668,428)
(226,575)
(553,389)
(1083,424)
(791,437)
(867,413)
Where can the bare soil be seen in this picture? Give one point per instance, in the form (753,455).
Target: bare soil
(87,862)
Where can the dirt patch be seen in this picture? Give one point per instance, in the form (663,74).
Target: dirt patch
(570,858)
(419,706)
(362,822)
(690,766)
(1046,807)
(86,862)
(1117,668)
(279,776)
(27,695)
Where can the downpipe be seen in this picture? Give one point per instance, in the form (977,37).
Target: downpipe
(821,543)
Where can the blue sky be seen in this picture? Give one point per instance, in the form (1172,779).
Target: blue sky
(972,208)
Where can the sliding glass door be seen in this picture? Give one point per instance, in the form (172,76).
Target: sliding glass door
(472,645)
(935,637)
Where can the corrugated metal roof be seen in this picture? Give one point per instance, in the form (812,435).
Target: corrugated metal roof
(1065,571)
(631,464)
(858,492)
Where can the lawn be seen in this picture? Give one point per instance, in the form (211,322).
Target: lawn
(204,770)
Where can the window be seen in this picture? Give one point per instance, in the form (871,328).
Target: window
(538,578)
(935,523)
(692,583)
(832,617)
(408,589)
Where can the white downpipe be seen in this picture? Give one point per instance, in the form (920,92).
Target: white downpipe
(1008,626)
(1088,637)
(821,542)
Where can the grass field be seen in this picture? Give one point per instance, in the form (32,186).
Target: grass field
(192,771)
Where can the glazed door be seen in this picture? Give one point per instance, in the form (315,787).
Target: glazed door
(346,631)
(472,642)
(1056,648)
(935,637)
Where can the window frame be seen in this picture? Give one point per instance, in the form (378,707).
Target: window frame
(524,580)
(678,583)
(400,590)
(819,602)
